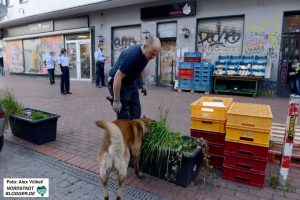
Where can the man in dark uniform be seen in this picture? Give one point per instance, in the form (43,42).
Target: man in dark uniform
(128,74)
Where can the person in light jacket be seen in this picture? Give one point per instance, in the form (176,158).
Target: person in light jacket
(50,62)
(63,60)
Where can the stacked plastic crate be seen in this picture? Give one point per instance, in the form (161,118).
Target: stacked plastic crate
(185,75)
(203,76)
(208,119)
(248,130)
(194,75)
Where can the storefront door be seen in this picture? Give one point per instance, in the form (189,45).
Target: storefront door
(167,61)
(80,59)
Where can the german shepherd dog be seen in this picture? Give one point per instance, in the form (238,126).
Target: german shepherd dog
(121,138)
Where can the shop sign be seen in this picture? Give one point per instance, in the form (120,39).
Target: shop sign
(181,9)
(41,27)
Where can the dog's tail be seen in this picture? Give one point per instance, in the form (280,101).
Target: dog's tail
(117,146)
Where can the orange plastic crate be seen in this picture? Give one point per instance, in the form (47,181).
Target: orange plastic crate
(252,116)
(214,108)
(207,125)
(247,136)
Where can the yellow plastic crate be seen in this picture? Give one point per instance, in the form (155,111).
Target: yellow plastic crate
(247,136)
(207,125)
(247,115)
(211,107)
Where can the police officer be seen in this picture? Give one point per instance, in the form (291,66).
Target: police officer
(63,60)
(100,61)
(127,75)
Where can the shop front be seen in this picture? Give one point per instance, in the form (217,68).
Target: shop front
(26,47)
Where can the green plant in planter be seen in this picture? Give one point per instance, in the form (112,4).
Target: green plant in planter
(162,144)
(38,115)
(10,105)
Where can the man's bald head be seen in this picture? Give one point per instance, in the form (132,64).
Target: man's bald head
(151,47)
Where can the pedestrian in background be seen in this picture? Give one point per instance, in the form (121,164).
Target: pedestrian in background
(50,62)
(63,60)
(100,61)
(128,74)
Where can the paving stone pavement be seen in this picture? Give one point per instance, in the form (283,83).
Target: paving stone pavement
(66,182)
(78,138)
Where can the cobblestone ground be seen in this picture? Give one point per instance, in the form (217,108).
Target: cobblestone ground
(65,182)
(78,138)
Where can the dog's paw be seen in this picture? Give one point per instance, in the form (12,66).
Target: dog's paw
(118,198)
(106,198)
(140,175)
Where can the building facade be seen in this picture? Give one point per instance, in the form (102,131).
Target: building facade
(260,28)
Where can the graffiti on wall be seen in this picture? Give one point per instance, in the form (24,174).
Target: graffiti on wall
(14,58)
(219,37)
(262,38)
(123,43)
(123,38)
(260,43)
(150,72)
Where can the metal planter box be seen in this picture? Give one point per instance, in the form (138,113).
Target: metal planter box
(37,131)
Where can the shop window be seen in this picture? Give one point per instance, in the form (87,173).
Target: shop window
(123,38)
(32,55)
(53,43)
(220,36)
(14,56)
(35,51)
(291,23)
(167,30)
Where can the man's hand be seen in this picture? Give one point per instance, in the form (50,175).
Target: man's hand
(143,88)
(117,106)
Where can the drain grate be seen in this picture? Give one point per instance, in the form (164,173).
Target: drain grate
(129,191)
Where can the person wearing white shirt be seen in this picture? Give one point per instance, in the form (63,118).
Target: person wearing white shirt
(63,60)
(100,61)
(50,64)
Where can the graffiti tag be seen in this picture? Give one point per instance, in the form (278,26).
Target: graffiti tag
(219,36)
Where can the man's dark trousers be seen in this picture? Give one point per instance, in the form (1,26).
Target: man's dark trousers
(100,73)
(130,100)
(51,75)
(65,80)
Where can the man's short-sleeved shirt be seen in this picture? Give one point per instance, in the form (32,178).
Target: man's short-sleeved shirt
(131,62)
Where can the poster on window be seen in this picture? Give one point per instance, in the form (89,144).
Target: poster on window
(14,56)
(123,38)
(48,44)
(220,36)
(32,55)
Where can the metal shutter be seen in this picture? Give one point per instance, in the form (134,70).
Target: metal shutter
(220,36)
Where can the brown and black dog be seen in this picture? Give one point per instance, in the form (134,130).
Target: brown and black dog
(121,138)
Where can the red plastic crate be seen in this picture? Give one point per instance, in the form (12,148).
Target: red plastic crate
(216,149)
(257,152)
(245,162)
(186,73)
(211,137)
(192,59)
(243,176)
(216,161)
